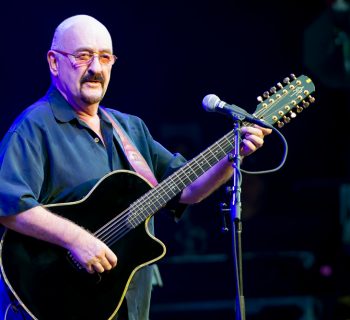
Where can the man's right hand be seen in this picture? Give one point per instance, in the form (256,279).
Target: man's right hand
(91,253)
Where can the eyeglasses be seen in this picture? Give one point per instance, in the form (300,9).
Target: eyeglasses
(85,57)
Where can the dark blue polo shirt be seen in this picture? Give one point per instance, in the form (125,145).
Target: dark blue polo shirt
(50,156)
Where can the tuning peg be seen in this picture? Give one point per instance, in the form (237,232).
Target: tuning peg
(280,85)
(273,90)
(292,75)
(286,119)
(292,114)
(280,124)
(260,99)
(266,94)
(311,99)
(299,109)
(305,104)
(286,80)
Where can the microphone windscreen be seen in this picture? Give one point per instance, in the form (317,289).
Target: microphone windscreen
(210,102)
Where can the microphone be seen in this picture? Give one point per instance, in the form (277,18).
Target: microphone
(212,103)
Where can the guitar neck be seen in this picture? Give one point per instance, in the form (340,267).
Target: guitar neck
(157,197)
(275,109)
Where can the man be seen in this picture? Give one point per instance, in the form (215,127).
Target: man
(62,145)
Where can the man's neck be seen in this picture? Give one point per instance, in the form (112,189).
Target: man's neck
(92,119)
(87,112)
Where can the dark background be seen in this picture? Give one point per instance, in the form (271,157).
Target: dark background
(171,54)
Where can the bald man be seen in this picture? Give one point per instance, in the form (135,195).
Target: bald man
(63,144)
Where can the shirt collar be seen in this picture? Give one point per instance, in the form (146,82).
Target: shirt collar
(62,110)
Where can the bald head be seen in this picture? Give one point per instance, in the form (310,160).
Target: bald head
(82,84)
(80,29)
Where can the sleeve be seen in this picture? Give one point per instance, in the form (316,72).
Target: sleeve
(21,174)
(174,206)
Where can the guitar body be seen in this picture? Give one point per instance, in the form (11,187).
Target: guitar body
(48,284)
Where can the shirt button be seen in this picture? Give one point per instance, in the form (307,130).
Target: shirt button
(97,140)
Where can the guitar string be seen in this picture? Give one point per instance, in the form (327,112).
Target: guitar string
(135,206)
(195,162)
(163,192)
(140,208)
(281,97)
(143,199)
(119,232)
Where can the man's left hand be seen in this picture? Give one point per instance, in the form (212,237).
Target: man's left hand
(253,139)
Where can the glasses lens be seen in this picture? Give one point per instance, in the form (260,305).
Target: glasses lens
(83,57)
(106,58)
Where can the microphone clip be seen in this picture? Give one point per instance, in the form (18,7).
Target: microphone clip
(237,116)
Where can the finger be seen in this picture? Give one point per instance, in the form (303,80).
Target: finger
(112,258)
(98,267)
(252,131)
(248,147)
(105,263)
(265,131)
(256,130)
(89,269)
(256,140)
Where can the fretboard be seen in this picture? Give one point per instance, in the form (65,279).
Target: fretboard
(156,198)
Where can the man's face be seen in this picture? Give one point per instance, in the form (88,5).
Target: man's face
(83,84)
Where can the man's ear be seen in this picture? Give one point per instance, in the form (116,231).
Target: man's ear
(53,62)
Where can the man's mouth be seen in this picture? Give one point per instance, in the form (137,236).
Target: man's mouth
(93,81)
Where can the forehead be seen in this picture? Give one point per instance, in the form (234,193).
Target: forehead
(88,36)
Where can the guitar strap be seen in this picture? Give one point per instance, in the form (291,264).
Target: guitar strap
(134,157)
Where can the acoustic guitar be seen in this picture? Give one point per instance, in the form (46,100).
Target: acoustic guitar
(50,284)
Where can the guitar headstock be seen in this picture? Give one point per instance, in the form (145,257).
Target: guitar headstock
(283,102)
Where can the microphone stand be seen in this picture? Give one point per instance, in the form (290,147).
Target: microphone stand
(235,215)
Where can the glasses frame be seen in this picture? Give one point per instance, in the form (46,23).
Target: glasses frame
(94,54)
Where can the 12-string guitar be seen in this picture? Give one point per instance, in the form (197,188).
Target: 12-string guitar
(46,280)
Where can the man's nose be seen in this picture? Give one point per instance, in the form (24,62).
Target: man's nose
(95,63)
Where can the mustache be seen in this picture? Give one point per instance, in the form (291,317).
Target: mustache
(92,77)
